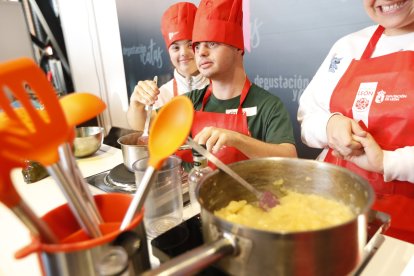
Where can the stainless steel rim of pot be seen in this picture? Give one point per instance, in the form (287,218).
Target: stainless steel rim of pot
(131,151)
(300,175)
(246,249)
(131,139)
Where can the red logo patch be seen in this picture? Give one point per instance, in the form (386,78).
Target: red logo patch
(362,104)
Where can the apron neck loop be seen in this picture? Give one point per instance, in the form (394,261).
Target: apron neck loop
(373,42)
(175,89)
(243,95)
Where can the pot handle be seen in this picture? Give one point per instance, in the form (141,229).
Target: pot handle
(195,260)
(34,247)
(376,240)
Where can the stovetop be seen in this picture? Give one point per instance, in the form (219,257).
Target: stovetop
(120,180)
(177,240)
(116,180)
(188,235)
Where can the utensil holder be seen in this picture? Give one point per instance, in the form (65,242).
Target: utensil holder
(77,254)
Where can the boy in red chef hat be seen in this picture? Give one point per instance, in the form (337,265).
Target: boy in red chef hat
(235,119)
(176,27)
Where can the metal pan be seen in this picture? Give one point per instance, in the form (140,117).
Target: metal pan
(240,250)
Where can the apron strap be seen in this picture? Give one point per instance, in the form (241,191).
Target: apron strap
(243,95)
(373,42)
(175,89)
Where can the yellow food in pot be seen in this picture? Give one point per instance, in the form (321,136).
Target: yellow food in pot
(296,212)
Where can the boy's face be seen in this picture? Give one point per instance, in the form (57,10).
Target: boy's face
(396,16)
(214,59)
(182,57)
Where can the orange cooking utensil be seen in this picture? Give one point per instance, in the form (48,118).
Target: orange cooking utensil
(78,108)
(17,77)
(168,132)
(10,197)
(45,132)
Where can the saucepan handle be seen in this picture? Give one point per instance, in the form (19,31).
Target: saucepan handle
(376,240)
(195,260)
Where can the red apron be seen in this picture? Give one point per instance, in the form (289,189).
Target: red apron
(380,92)
(175,89)
(186,154)
(235,122)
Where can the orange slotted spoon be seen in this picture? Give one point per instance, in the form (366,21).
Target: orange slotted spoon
(168,132)
(78,108)
(45,132)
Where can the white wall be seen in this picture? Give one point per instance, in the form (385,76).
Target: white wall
(91,32)
(14,33)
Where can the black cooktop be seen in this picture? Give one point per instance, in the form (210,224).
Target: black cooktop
(176,241)
(188,235)
(115,180)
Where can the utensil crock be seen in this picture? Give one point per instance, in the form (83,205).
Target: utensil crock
(77,254)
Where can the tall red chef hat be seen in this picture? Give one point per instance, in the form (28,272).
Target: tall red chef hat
(177,22)
(219,21)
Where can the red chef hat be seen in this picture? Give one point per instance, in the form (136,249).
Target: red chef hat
(219,21)
(177,22)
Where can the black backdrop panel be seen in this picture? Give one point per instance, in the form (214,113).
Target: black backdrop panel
(287,42)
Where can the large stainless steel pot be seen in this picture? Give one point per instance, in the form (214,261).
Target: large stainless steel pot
(131,151)
(241,250)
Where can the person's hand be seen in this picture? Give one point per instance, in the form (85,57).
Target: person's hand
(145,92)
(215,138)
(340,131)
(372,158)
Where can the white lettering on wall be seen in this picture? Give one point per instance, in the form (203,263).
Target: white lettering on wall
(148,54)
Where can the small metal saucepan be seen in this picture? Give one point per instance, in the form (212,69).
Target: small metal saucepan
(131,149)
(240,250)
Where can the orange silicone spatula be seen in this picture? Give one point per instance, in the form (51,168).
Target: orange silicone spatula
(79,107)
(44,133)
(168,132)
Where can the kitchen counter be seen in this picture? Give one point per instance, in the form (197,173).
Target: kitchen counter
(394,257)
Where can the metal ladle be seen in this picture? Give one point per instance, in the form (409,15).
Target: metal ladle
(267,199)
(143,140)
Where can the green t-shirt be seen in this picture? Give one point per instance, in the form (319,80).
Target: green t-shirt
(267,118)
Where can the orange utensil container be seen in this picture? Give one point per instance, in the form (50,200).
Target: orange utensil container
(76,254)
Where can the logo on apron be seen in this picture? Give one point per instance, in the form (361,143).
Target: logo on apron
(363,101)
(396,97)
(380,96)
(333,66)
(248,111)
